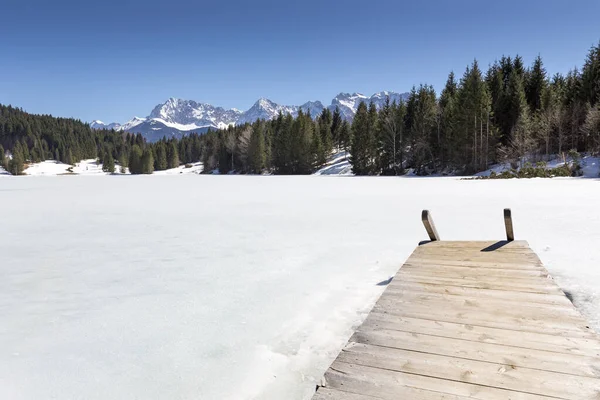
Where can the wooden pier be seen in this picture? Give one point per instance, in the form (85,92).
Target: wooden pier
(469,320)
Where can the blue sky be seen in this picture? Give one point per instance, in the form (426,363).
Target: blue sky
(111,60)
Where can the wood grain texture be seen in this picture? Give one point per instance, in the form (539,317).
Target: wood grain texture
(477,320)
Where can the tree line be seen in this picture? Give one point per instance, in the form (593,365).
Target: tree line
(506,113)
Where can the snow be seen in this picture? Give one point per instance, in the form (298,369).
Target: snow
(53,168)
(48,167)
(590,166)
(194,168)
(338,164)
(238,287)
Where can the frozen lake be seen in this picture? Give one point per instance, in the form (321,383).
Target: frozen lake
(237,287)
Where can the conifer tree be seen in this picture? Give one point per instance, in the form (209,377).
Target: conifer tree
(160,163)
(123,163)
(256,151)
(108,162)
(590,77)
(361,144)
(173,156)
(345,135)
(325,121)
(336,126)
(318,149)
(135,160)
(147,161)
(69,157)
(535,85)
(447,121)
(2,158)
(15,165)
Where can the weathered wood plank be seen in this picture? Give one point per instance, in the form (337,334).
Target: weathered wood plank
(449,299)
(392,385)
(571,364)
(517,322)
(495,284)
(557,297)
(526,340)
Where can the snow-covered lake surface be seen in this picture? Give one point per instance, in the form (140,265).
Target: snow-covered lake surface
(237,287)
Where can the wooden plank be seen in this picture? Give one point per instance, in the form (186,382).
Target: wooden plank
(478,264)
(543,298)
(527,340)
(417,296)
(498,375)
(558,318)
(392,385)
(477,244)
(495,284)
(496,271)
(571,364)
(518,322)
(441,273)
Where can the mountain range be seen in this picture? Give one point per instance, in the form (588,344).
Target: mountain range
(177,117)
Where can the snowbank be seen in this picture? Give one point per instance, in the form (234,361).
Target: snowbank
(91,167)
(590,166)
(238,287)
(338,164)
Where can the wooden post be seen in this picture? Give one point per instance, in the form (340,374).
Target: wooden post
(429,225)
(510,235)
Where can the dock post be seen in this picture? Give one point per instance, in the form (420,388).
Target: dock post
(429,225)
(510,235)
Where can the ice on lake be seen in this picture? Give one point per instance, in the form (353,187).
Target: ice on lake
(237,287)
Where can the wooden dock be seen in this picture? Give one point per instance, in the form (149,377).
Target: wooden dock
(469,320)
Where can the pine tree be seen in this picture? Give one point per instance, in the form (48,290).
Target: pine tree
(447,121)
(590,77)
(345,135)
(256,151)
(325,122)
(135,160)
(123,163)
(172,156)
(360,147)
(15,165)
(535,85)
(108,162)
(471,131)
(147,161)
(336,127)
(318,150)
(2,158)
(521,130)
(160,163)
(69,157)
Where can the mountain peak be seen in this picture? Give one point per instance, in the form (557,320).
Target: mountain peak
(178,117)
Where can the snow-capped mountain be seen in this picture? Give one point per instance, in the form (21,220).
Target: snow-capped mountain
(266,109)
(347,103)
(187,114)
(176,117)
(96,124)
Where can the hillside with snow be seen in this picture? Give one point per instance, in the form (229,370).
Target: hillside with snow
(177,117)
